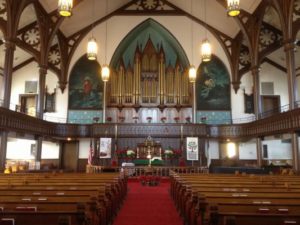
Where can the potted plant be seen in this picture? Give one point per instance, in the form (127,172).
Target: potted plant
(130,154)
(188,119)
(163,119)
(149,118)
(109,119)
(135,118)
(121,119)
(176,119)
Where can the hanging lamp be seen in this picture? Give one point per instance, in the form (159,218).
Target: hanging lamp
(65,7)
(233,7)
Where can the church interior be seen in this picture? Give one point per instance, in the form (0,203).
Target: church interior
(149,112)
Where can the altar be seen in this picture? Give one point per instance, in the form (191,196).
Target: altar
(149,149)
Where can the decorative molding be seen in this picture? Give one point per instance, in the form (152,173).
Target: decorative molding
(279,123)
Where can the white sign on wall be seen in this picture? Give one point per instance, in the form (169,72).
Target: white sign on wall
(105,148)
(192,148)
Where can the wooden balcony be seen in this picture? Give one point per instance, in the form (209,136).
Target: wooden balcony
(280,123)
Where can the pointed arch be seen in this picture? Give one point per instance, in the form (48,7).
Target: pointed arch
(213,86)
(85,85)
(139,36)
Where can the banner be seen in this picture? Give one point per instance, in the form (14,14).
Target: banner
(192,148)
(105,148)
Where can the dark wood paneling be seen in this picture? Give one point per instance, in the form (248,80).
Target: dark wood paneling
(280,123)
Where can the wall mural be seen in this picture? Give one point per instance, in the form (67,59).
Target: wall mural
(85,85)
(213,86)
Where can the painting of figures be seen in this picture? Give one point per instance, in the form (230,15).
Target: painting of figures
(213,86)
(85,85)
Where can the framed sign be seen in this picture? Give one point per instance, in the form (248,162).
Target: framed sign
(105,148)
(249,103)
(192,148)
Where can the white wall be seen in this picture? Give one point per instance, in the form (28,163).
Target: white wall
(212,151)
(269,73)
(84,147)
(50,150)
(278,150)
(247,150)
(19,149)
(30,72)
(238,101)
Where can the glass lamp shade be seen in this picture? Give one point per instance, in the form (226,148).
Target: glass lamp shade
(105,73)
(92,49)
(233,7)
(206,51)
(65,7)
(192,74)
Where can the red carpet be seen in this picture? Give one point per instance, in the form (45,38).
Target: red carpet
(146,205)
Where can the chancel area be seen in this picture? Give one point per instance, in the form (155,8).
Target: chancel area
(149,112)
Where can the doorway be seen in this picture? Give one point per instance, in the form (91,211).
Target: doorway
(28,103)
(270,104)
(70,153)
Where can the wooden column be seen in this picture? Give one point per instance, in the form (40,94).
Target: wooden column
(41,97)
(289,48)
(10,47)
(39,143)
(256,92)
(295,149)
(3,146)
(259,151)
(60,163)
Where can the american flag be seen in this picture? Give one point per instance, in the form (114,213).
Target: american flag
(91,153)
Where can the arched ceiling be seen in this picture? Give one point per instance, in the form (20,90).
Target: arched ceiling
(215,13)
(86,12)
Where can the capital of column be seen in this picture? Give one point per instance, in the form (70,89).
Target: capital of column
(255,70)
(10,44)
(43,69)
(289,45)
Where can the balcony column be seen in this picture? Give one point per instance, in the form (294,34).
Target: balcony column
(256,92)
(3,147)
(10,48)
(295,149)
(289,48)
(38,155)
(259,152)
(41,97)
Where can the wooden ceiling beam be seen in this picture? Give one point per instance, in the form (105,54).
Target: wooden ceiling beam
(21,65)
(276,65)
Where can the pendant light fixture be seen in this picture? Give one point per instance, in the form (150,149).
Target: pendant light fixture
(193,71)
(105,68)
(65,7)
(105,72)
(233,7)
(92,46)
(205,47)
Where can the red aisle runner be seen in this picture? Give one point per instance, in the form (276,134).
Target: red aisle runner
(148,206)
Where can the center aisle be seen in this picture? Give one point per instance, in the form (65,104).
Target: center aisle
(146,205)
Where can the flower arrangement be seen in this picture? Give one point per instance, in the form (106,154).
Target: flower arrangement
(135,118)
(168,153)
(163,119)
(188,119)
(121,119)
(130,153)
(203,119)
(121,153)
(109,119)
(176,119)
(149,118)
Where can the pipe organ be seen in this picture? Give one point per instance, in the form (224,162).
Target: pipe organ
(149,82)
